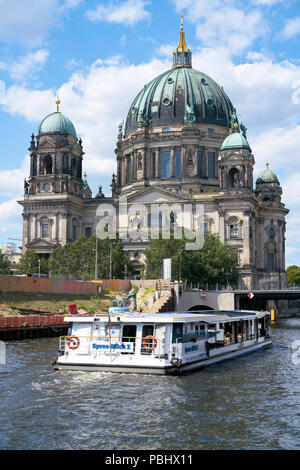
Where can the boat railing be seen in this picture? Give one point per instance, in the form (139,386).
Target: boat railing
(148,346)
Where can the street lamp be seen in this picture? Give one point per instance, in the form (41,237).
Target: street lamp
(96,260)
(179,265)
(227,274)
(110,261)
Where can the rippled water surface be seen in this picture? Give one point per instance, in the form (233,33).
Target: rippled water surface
(247,403)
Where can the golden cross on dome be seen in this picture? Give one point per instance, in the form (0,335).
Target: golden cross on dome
(57,103)
(181,21)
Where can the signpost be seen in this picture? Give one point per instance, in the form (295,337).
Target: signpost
(167,268)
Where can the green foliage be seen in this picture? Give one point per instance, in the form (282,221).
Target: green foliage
(4,264)
(207,265)
(293,275)
(29,264)
(79,259)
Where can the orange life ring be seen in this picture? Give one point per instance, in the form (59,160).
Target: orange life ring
(73,342)
(150,346)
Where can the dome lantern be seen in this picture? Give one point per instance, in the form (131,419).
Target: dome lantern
(182,56)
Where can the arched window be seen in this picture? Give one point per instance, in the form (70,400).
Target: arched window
(272,233)
(47,165)
(74,166)
(65,163)
(271,261)
(233,178)
(233,228)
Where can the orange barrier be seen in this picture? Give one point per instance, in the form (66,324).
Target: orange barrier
(24,321)
(60,286)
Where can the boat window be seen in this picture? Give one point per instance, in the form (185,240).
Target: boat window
(241,330)
(70,326)
(228,333)
(261,327)
(129,336)
(200,330)
(147,343)
(177,333)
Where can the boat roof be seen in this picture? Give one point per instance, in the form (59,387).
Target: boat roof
(205,316)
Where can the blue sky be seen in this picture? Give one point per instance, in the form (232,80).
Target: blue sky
(98,54)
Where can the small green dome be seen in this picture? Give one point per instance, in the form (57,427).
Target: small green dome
(267,176)
(57,123)
(236,140)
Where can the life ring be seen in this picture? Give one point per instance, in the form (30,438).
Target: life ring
(73,342)
(150,346)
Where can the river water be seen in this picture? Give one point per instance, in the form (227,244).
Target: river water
(247,403)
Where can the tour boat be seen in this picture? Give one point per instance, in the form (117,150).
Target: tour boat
(163,343)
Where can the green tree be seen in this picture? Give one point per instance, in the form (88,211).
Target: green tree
(293,275)
(208,265)
(4,264)
(78,259)
(30,263)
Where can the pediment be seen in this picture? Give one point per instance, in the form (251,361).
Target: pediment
(41,242)
(47,142)
(154,194)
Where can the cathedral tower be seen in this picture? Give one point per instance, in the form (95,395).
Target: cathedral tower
(55,188)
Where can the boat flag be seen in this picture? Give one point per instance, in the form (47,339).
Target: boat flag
(250,295)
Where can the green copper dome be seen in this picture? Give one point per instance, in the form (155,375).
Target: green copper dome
(236,140)
(180,95)
(57,123)
(267,176)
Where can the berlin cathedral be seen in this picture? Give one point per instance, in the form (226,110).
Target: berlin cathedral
(181,144)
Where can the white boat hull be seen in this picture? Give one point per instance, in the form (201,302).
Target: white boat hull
(215,357)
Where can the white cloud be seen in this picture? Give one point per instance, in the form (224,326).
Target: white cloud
(279,146)
(26,66)
(267,2)
(96,110)
(224,23)
(12,181)
(30,21)
(291,189)
(129,12)
(11,218)
(291,29)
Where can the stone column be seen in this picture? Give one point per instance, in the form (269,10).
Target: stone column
(157,164)
(246,236)
(205,163)
(135,164)
(119,171)
(172,163)
(144,163)
(222,234)
(216,163)
(25,232)
(57,226)
(63,228)
(182,161)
